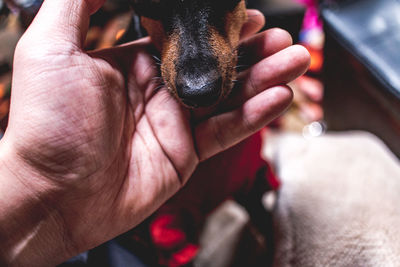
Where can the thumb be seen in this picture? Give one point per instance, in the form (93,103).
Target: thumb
(62,21)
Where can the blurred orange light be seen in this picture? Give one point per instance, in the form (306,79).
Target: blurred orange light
(317,59)
(2,90)
(119,34)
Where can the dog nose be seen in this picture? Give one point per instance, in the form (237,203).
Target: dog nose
(201,91)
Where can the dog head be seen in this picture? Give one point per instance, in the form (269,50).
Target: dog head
(198,42)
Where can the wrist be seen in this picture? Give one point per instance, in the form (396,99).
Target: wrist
(31,232)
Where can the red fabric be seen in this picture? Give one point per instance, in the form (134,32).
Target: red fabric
(165,235)
(183,256)
(170,235)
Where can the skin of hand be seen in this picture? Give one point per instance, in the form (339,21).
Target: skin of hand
(92,148)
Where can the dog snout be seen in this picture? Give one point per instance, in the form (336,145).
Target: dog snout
(200,90)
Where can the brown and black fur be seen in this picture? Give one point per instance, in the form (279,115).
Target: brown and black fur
(197,40)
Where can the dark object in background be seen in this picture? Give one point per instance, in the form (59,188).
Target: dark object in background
(3,8)
(27,9)
(285,14)
(4,12)
(362,68)
(370,30)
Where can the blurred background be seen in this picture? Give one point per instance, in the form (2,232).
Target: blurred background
(336,150)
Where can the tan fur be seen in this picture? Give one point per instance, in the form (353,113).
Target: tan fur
(224,48)
(168,47)
(169,57)
(234,22)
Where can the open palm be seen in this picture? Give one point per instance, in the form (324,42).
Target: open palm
(102,146)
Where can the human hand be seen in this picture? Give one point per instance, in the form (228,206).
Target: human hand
(92,148)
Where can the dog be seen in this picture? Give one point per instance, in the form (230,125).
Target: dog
(197,41)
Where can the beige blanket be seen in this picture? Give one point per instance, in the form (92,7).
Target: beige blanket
(339,204)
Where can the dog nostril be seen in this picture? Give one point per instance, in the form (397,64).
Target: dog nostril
(199,92)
